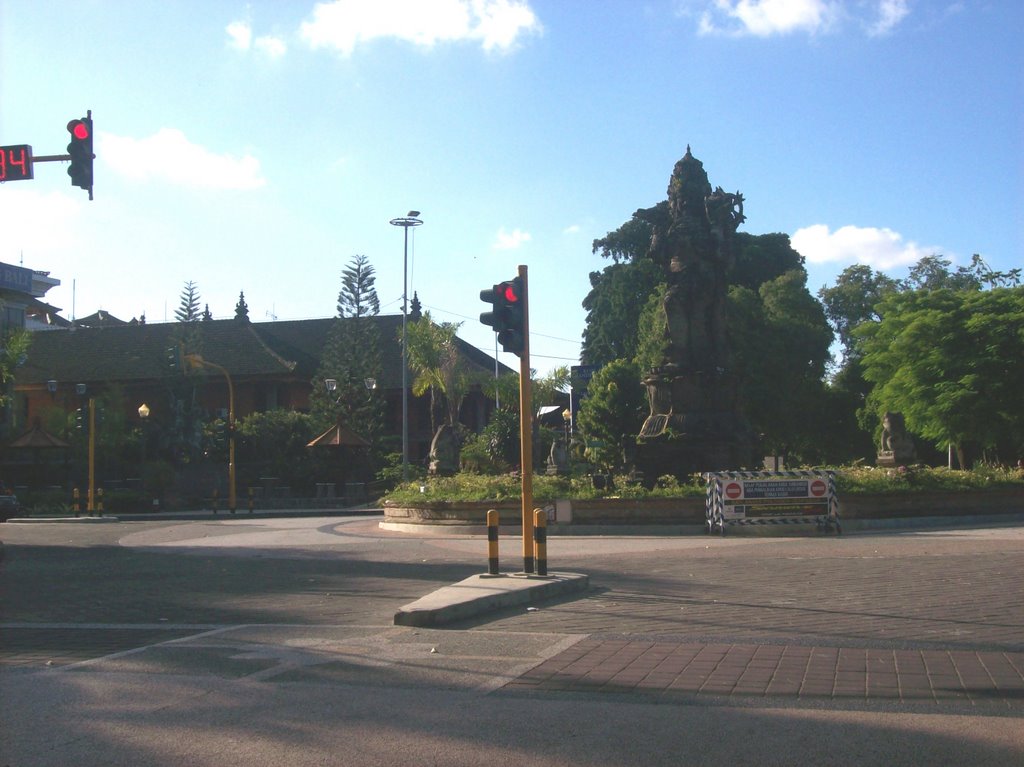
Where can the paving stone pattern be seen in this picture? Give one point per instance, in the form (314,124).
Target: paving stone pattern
(626,665)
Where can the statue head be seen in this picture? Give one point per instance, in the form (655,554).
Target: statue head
(688,187)
(893,423)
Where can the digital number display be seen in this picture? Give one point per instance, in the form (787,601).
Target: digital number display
(16,162)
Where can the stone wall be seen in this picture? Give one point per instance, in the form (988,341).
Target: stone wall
(690,511)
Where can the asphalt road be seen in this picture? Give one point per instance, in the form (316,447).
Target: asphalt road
(270,641)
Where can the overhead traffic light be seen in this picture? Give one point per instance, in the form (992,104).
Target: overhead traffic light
(80,150)
(507,316)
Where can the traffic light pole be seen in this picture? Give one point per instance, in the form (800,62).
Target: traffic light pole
(91,499)
(526,430)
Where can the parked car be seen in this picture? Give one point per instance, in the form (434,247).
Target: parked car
(9,507)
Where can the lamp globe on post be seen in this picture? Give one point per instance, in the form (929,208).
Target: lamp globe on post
(144,417)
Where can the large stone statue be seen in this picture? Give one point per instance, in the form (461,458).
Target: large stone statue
(897,448)
(695,423)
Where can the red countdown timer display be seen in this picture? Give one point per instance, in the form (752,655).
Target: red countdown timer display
(16,163)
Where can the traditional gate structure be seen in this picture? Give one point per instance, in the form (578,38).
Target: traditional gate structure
(771,498)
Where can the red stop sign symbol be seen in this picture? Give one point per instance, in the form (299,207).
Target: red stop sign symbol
(733,490)
(818,487)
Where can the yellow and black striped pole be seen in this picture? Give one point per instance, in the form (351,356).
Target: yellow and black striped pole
(75,501)
(99,501)
(492,542)
(540,540)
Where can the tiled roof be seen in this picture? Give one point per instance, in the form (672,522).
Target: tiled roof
(129,353)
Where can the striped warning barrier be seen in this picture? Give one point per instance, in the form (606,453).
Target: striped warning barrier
(795,497)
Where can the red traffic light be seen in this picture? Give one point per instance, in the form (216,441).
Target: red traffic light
(79,130)
(511,295)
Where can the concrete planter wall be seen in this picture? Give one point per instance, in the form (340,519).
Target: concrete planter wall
(452,514)
(931,504)
(653,511)
(690,511)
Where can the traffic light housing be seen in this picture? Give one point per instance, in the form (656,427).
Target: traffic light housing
(82,419)
(508,314)
(496,317)
(80,151)
(176,359)
(220,433)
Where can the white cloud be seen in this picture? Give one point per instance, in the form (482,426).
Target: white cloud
(880,248)
(510,240)
(239,35)
(343,24)
(573,229)
(890,14)
(274,47)
(240,38)
(765,18)
(168,155)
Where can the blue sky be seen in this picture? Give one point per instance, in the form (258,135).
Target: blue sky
(259,146)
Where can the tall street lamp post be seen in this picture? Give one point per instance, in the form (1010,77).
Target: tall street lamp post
(405,222)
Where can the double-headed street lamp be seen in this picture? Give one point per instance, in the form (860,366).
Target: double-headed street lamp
(405,222)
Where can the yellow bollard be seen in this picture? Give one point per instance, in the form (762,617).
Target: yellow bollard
(492,543)
(75,501)
(99,501)
(540,540)
(252,501)
(213,500)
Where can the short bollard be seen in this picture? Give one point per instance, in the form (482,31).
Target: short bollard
(540,540)
(492,543)
(213,499)
(252,501)
(99,502)
(76,501)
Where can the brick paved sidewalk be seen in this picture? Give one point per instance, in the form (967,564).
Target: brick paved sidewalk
(665,667)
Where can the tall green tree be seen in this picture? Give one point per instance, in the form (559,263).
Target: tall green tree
(854,299)
(952,361)
(780,341)
(616,299)
(188,309)
(352,357)
(614,408)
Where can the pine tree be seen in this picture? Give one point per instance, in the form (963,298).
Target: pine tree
(188,310)
(352,357)
(358,296)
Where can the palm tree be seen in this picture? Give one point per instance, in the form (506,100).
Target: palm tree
(438,368)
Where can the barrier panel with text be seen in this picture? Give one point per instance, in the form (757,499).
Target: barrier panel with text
(771,498)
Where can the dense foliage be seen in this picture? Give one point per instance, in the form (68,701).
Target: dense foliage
(952,361)
(849,481)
